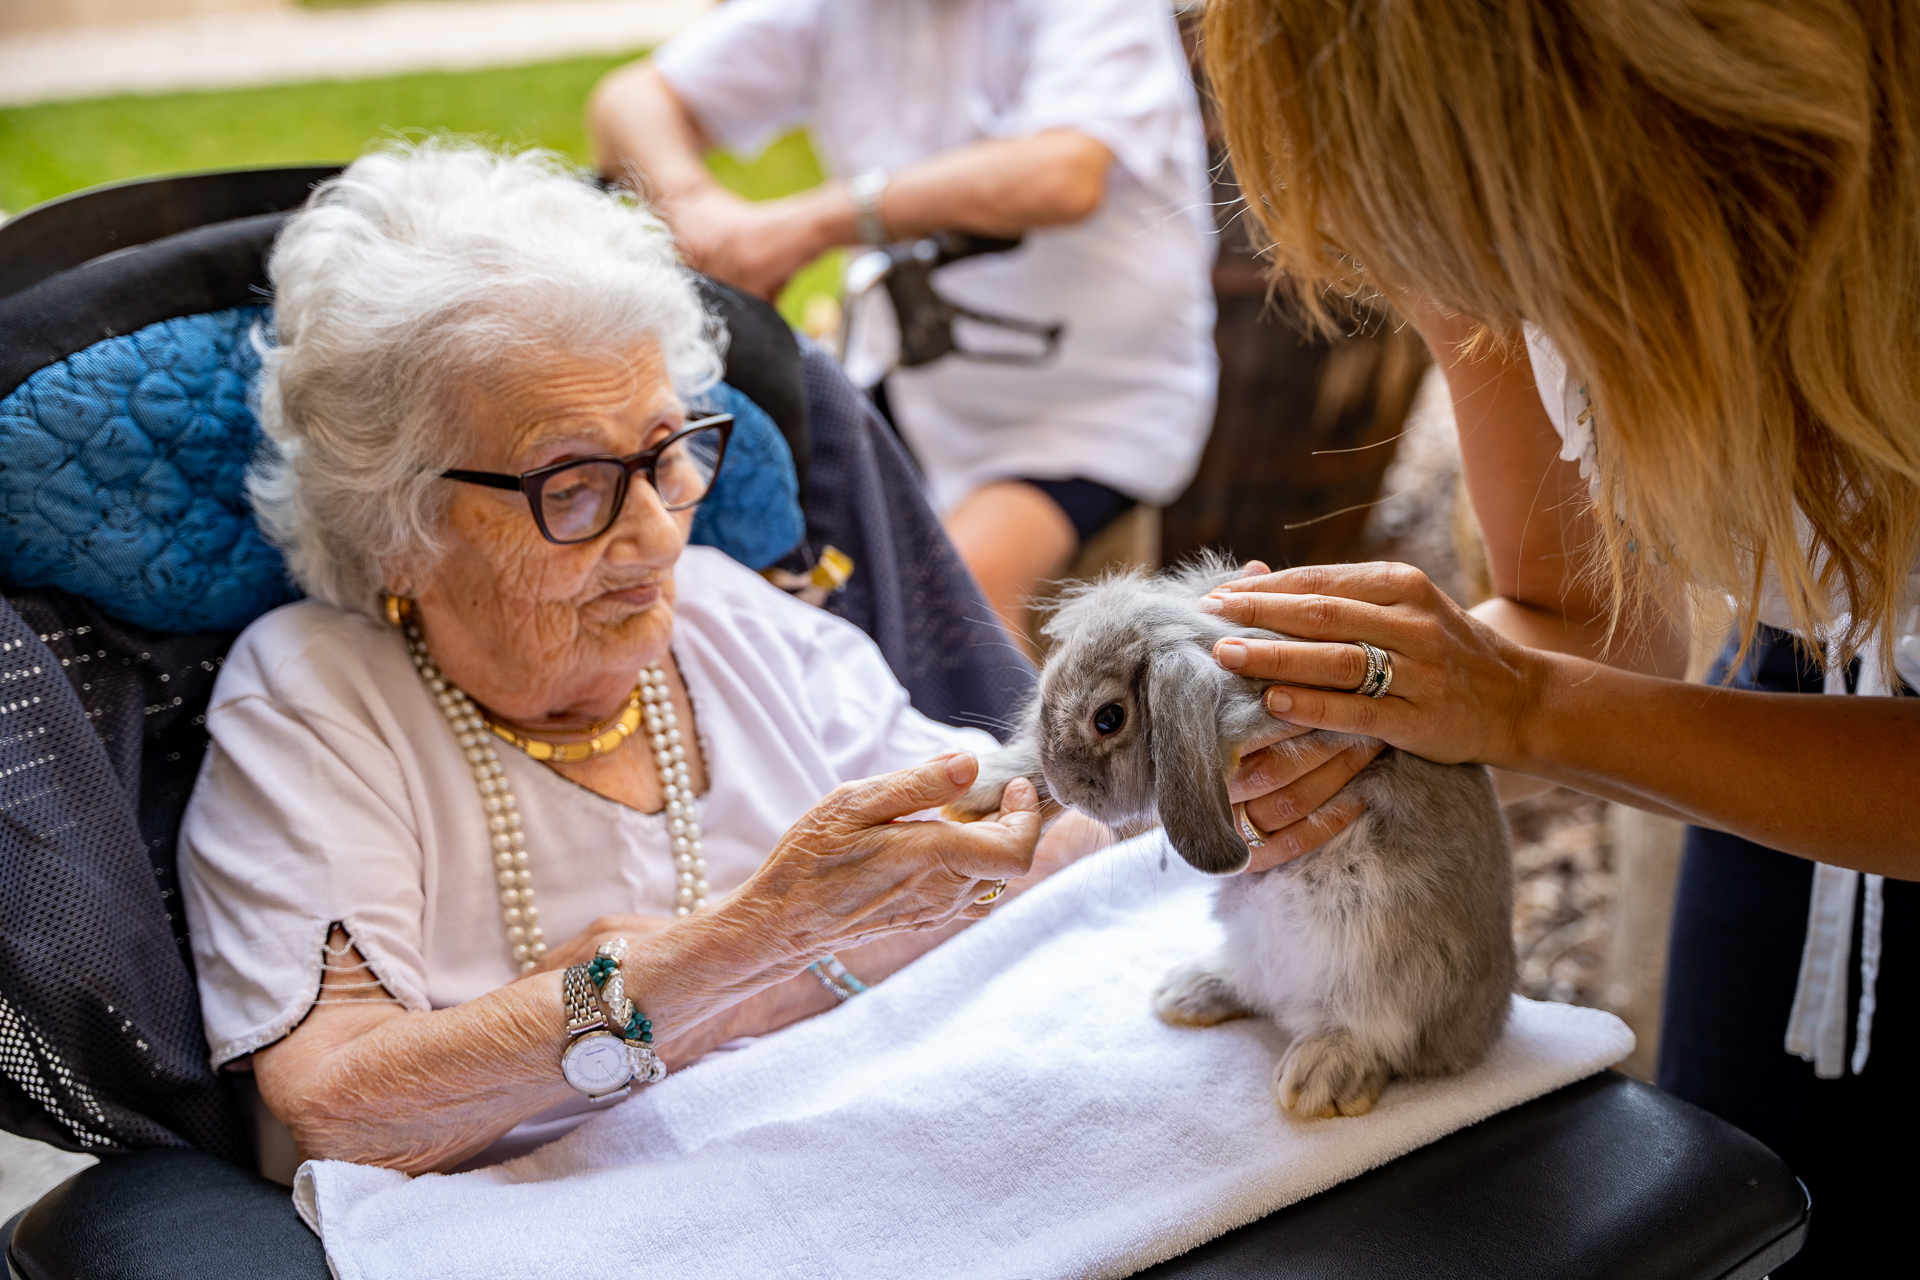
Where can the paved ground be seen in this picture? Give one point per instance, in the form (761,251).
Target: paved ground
(30,1169)
(229,50)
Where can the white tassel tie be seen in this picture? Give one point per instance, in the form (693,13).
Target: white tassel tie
(1817,1027)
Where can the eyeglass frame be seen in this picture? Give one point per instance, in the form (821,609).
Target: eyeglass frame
(531,483)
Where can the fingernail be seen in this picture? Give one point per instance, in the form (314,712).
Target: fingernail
(1212,604)
(1230,654)
(960,769)
(1279,702)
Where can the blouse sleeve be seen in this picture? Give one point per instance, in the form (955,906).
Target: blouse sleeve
(745,70)
(300,819)
(865,720)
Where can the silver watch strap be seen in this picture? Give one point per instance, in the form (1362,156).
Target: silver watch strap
(582,1001)
(865,189)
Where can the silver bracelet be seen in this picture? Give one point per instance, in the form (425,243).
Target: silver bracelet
(866,189)
(627,1022)
(834,977)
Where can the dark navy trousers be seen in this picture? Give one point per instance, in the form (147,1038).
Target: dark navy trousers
(1740,918)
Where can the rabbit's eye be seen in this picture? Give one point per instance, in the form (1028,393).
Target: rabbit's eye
(1109,718)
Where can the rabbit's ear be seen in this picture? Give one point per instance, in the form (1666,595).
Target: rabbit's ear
(1189,781)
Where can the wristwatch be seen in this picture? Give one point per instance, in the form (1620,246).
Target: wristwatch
(595,1061)
(865,189)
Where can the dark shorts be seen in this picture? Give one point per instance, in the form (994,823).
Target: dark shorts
(1739,922)
(1088,504)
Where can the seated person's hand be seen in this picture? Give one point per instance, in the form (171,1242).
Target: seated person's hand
(849,872)
(752,245)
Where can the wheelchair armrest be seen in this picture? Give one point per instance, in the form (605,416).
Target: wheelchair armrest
(1606,1179)
(164,1213)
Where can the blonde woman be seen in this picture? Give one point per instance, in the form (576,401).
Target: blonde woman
(1668,253)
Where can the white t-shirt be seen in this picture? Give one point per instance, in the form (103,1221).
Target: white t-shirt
(884,83)
(334,791)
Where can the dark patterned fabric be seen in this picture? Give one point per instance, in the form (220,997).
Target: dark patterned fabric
(909,590)
(101,1047)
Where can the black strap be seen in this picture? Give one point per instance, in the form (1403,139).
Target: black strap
(763,364)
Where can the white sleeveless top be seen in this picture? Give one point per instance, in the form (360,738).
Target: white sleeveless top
(1816,1028)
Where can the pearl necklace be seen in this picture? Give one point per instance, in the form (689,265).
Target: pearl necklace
(519,914)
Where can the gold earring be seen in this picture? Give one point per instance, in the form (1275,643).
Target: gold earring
(398,609)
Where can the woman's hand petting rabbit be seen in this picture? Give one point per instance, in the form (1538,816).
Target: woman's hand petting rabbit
(1287,778)
(1288,781)
(1460,690)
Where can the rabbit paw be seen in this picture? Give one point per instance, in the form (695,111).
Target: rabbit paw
(1018,759)
(1198,994)
(1328,1074)
(982,800)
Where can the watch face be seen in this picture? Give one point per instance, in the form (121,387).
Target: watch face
(597,1063)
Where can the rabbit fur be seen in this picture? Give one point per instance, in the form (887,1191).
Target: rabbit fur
(1386,952)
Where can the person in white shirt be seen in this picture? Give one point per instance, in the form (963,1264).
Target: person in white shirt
(1071,123)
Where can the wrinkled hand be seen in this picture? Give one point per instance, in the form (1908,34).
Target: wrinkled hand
(580,948)
(1460,690)
(848,872)
(752,245)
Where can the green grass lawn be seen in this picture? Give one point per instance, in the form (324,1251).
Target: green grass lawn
(54,148)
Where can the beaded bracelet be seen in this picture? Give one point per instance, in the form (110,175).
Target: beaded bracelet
(834,977)
(633,1026)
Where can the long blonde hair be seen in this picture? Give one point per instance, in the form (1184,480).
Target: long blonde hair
(1712,206)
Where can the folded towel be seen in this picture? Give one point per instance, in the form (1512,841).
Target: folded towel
(1006,1107)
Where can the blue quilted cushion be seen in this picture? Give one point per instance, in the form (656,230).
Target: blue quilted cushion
(753,513)
(122,479)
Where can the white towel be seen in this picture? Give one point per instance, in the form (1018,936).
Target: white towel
(1006,1107)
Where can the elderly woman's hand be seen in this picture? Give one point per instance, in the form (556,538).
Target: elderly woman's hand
(870,875)
(849,872)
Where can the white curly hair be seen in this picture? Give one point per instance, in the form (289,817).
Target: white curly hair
(418,266)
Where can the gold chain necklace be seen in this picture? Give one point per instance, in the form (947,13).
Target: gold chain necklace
(572,752)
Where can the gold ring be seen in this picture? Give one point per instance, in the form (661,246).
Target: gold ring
(1248,832)
(999,887)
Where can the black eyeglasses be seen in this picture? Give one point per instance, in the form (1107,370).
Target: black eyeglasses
(579,499)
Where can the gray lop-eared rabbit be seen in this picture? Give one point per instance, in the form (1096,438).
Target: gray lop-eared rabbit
(1386,952)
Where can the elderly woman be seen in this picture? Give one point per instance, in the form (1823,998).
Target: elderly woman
(440,897)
